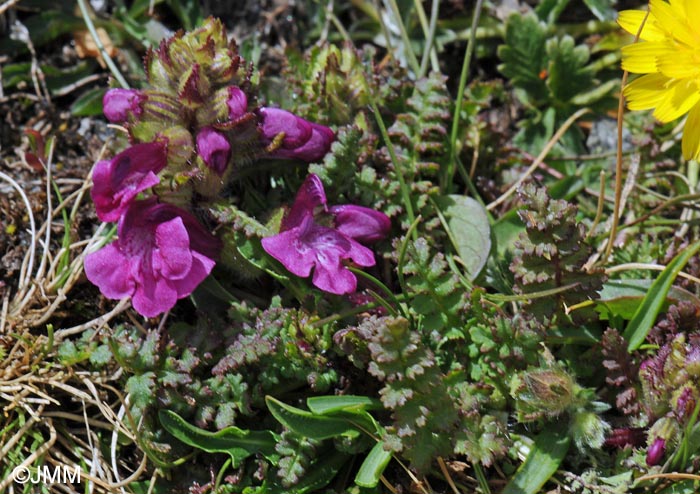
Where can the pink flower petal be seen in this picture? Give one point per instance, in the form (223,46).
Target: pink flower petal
(360,223)
(286,247)
(108,269)
(312,150)
(173,257)
(297,131)
(201,267)
(331,276)
(118,181)
(153,296)
(310,196)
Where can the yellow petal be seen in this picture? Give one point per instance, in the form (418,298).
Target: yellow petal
(683,64)
(692,7)
(680,97)
(641,58)
(645,92)
(691,135)
(673,21)
(630,20)
(678,8)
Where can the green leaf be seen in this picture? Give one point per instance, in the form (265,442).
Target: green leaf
(322,472)
(140,387)
(622,298)
(238,443)
(596,93)
(326,405)
(550,10)
(43,28)
(646,314)
(88,104)
(547,453)
(372,468)
(602,9)
(469,229)
(187,11)
(307,424)
(568,74)
(524,54)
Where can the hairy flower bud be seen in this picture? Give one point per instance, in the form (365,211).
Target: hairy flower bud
(214,149)
(180,147)
(162,109)
(118,104)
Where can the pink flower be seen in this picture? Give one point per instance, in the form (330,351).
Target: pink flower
(161,255)
(302,139)
(118,103)
(118,181)
(304,245)
(237,102)
(214,149)
(656,451)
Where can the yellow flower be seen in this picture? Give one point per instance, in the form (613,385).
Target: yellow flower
(668,53)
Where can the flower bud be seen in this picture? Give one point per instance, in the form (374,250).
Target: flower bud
(214,149)
(118,104)
(656,451)
(194,86)
(159,68)
(296,130)
(180,147)
(301,139)
(162,108)
(237,102)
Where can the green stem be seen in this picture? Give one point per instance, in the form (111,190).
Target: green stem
(405,193)
(410,54)
(98,42)
(446,177)
(481,478)
(429,30)
(385,289)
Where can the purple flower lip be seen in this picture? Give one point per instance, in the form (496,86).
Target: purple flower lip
(118,104)
(301,140)
(118,181)
(303,245)
(161,255)
(214,149)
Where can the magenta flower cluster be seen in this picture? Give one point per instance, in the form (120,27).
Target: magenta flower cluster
(188,131)
(305,243)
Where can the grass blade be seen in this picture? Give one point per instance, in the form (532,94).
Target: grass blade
(646,313)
